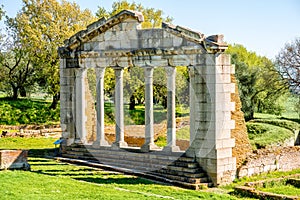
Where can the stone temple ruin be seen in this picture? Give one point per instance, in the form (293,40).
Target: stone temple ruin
(120,42)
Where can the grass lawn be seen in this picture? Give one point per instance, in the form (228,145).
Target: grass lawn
(281,189)
(50,179)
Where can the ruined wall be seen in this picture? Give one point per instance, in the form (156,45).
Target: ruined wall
(265,160)
(242,144)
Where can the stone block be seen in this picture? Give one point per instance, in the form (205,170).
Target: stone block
(14,159)
(134,43)
(225,106)
(223,59)
(232,69)
(99,46)
(224,125)
(227,143)
(179,60)
(223,69)
(225,88)
(167,42)
(125,43)
(223,133)
(224,153)
(177,41)
(112,44)
(130,25)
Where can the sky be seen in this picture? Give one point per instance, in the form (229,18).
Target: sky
(262,26)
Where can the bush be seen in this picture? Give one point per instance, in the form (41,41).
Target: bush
(27,111)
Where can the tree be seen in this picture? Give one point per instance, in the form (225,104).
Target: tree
(288,64)
(15,64)
(43,25)
(153,18)
(260,85)
(17,69)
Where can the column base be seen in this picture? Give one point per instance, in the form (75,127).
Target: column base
(79,141)
(171,149)
(149,147)
(118,145)
(101,143)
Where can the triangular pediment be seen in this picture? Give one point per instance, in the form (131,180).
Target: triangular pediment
(123,31)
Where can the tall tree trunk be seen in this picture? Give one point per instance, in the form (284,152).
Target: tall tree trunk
(55,99)
(15,92)
(132,102)
(23,92)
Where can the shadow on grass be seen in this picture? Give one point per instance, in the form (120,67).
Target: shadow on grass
(50,167)
(123,181)
(291,119)
(43,153)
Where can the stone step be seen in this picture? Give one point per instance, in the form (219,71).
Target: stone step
(127,155)
(137,164)
(200,174)
(183,179)
(108,150)
(183,169)
(186,164)
(157,177)
(174,167)
(141,166)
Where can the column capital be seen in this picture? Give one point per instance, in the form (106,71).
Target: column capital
(148,72)
(80,72)
(170,71)
(100,71)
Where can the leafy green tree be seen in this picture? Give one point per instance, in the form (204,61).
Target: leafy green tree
(1,12)
(260,85)
(153,18)
(43,26)
(17,72)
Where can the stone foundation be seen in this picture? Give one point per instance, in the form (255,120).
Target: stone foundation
(14,159)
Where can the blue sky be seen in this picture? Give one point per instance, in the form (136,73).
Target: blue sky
(263,26)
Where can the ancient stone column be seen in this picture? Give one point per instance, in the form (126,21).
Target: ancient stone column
(80,106)
(192,103)
(100,107)
(149,119)
(171,118)
(119,110)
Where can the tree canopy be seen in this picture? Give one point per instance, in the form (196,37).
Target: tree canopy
(153,18)
(43,26)
(260,85)
(288,64)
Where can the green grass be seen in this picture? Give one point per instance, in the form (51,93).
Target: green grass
(281,189)
(183,133)
(49,179)
(260,177)
(26,143)
(262,135)
(27,111)
(284,123)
